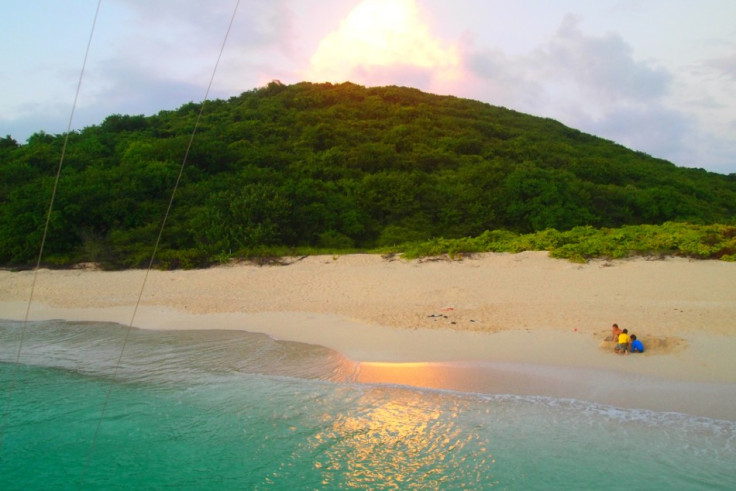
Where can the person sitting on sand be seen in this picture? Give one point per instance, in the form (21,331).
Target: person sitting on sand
(623,342)
(636,345)
(615,331)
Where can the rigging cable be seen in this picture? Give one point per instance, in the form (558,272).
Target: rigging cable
(158,240)
(14,375)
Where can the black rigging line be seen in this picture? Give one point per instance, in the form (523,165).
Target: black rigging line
(158,240)
(14,375)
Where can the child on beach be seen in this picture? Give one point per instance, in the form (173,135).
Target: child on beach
(636,345)
(623,342)
(615,331)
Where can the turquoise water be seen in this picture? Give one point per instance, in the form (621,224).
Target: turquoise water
(234,410)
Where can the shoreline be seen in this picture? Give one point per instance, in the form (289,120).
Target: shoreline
(470,362)
(538,321)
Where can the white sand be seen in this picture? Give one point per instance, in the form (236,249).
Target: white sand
(494,308)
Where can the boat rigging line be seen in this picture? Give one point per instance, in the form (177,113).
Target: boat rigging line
(158,240)
(14,376)
(129,327)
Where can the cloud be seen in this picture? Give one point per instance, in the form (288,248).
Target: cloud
(181,40)
(724,65)
(603,67)
(588,82)
(132,89)
(150,56)
(656,128)
(599,72)
(383,42)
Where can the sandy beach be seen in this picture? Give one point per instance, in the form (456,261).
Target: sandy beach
(519,323)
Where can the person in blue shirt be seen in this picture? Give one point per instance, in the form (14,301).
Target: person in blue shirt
(636,345)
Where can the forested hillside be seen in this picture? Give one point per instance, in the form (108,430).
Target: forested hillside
(331,166)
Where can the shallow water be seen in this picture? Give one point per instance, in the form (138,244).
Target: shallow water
(234,410)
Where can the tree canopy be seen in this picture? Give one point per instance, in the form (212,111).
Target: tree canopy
(329,166)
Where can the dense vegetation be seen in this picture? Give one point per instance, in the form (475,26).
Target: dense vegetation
(583,243)
(338,167)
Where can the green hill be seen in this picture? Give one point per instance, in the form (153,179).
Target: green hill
(330,166)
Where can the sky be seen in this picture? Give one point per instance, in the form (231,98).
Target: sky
(658,76)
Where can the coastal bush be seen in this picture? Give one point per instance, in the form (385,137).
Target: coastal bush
(580,244)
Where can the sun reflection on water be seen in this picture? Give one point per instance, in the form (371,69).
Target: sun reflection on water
(398,439)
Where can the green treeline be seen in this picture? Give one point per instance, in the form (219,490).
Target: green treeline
(330,167)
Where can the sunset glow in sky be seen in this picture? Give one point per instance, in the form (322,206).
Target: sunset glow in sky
(379,36)
(654,75)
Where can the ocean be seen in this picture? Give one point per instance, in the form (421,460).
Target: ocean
(236,410)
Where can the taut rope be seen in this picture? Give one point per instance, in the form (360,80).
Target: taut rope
(14,375)
(158,240)
(153,254)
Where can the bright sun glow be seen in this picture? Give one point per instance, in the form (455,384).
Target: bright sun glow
(378,35)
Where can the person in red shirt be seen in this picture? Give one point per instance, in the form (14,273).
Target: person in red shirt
(615,331)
